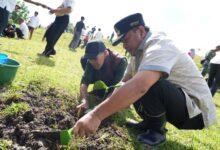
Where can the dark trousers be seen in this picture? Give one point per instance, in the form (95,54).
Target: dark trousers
(166,100)
(54,32)
(214,78)
(19,33)
(4,15)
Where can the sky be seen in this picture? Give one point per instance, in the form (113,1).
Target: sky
(189,23)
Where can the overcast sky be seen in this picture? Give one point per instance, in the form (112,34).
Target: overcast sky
(190,23)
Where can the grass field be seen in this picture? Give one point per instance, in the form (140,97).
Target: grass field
(63,71)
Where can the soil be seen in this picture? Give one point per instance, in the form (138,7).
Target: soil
(51,110)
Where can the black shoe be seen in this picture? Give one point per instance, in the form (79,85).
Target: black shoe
(137,125)
(151,138)
(51,52)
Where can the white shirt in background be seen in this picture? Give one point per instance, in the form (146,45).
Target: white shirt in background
(68,3)
(216,59)
(34,22)
(99,36)
(9,4)
(24,30)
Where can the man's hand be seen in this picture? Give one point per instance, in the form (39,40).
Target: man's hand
(86,125)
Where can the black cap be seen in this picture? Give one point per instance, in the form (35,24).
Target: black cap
(94,48)
(126,24)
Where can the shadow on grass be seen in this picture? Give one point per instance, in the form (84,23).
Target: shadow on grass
(167,145)
(216,105)
(41,60)
(120,119)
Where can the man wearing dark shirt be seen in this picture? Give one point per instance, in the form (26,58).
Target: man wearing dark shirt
(102,65)
(77,34)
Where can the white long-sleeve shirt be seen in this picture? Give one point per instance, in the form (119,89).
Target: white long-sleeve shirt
(216,59)
(34,22)
(99,36)
(24,30)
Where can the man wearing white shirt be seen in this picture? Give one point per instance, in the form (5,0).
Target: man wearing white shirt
(99,35)
(33,23)
(162,82)
(22,32)
(58,26)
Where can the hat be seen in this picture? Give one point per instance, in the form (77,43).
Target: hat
(94,48)
(126,24)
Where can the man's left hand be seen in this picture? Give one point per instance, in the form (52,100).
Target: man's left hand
(86,125)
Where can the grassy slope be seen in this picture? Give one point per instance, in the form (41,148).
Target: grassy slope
(64,71)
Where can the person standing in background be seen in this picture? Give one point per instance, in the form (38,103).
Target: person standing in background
(214,73)
(77,34)
(99,35)
(112,36)
(33,23)
(206,61)
(57,27)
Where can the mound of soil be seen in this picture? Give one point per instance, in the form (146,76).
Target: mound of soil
(50,110)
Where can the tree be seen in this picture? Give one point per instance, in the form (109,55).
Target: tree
(21,13)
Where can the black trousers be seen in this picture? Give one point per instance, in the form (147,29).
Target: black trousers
(19,33)
(166,100)
(54,32)
(214,77)
(4,15)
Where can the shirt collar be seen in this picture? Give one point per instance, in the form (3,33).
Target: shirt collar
(141,46)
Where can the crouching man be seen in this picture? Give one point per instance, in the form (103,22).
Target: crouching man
(100,64)
(162,82)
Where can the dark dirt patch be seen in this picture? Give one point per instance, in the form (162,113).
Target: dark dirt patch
(50,110)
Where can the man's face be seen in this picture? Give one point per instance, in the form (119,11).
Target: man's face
(132,40)
(98,61)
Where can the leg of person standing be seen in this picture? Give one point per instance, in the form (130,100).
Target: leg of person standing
(205,67)
(54,34)
(75,41)
(31,30)
(4,15)
(214,88)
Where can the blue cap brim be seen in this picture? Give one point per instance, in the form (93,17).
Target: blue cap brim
(90,56)
(118,40)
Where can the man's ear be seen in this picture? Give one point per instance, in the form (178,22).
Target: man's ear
(142,31)
(106,52)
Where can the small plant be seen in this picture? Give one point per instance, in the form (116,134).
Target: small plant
(16,108)
(5,144)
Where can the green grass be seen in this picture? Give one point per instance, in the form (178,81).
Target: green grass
(64,71)
(15,108)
